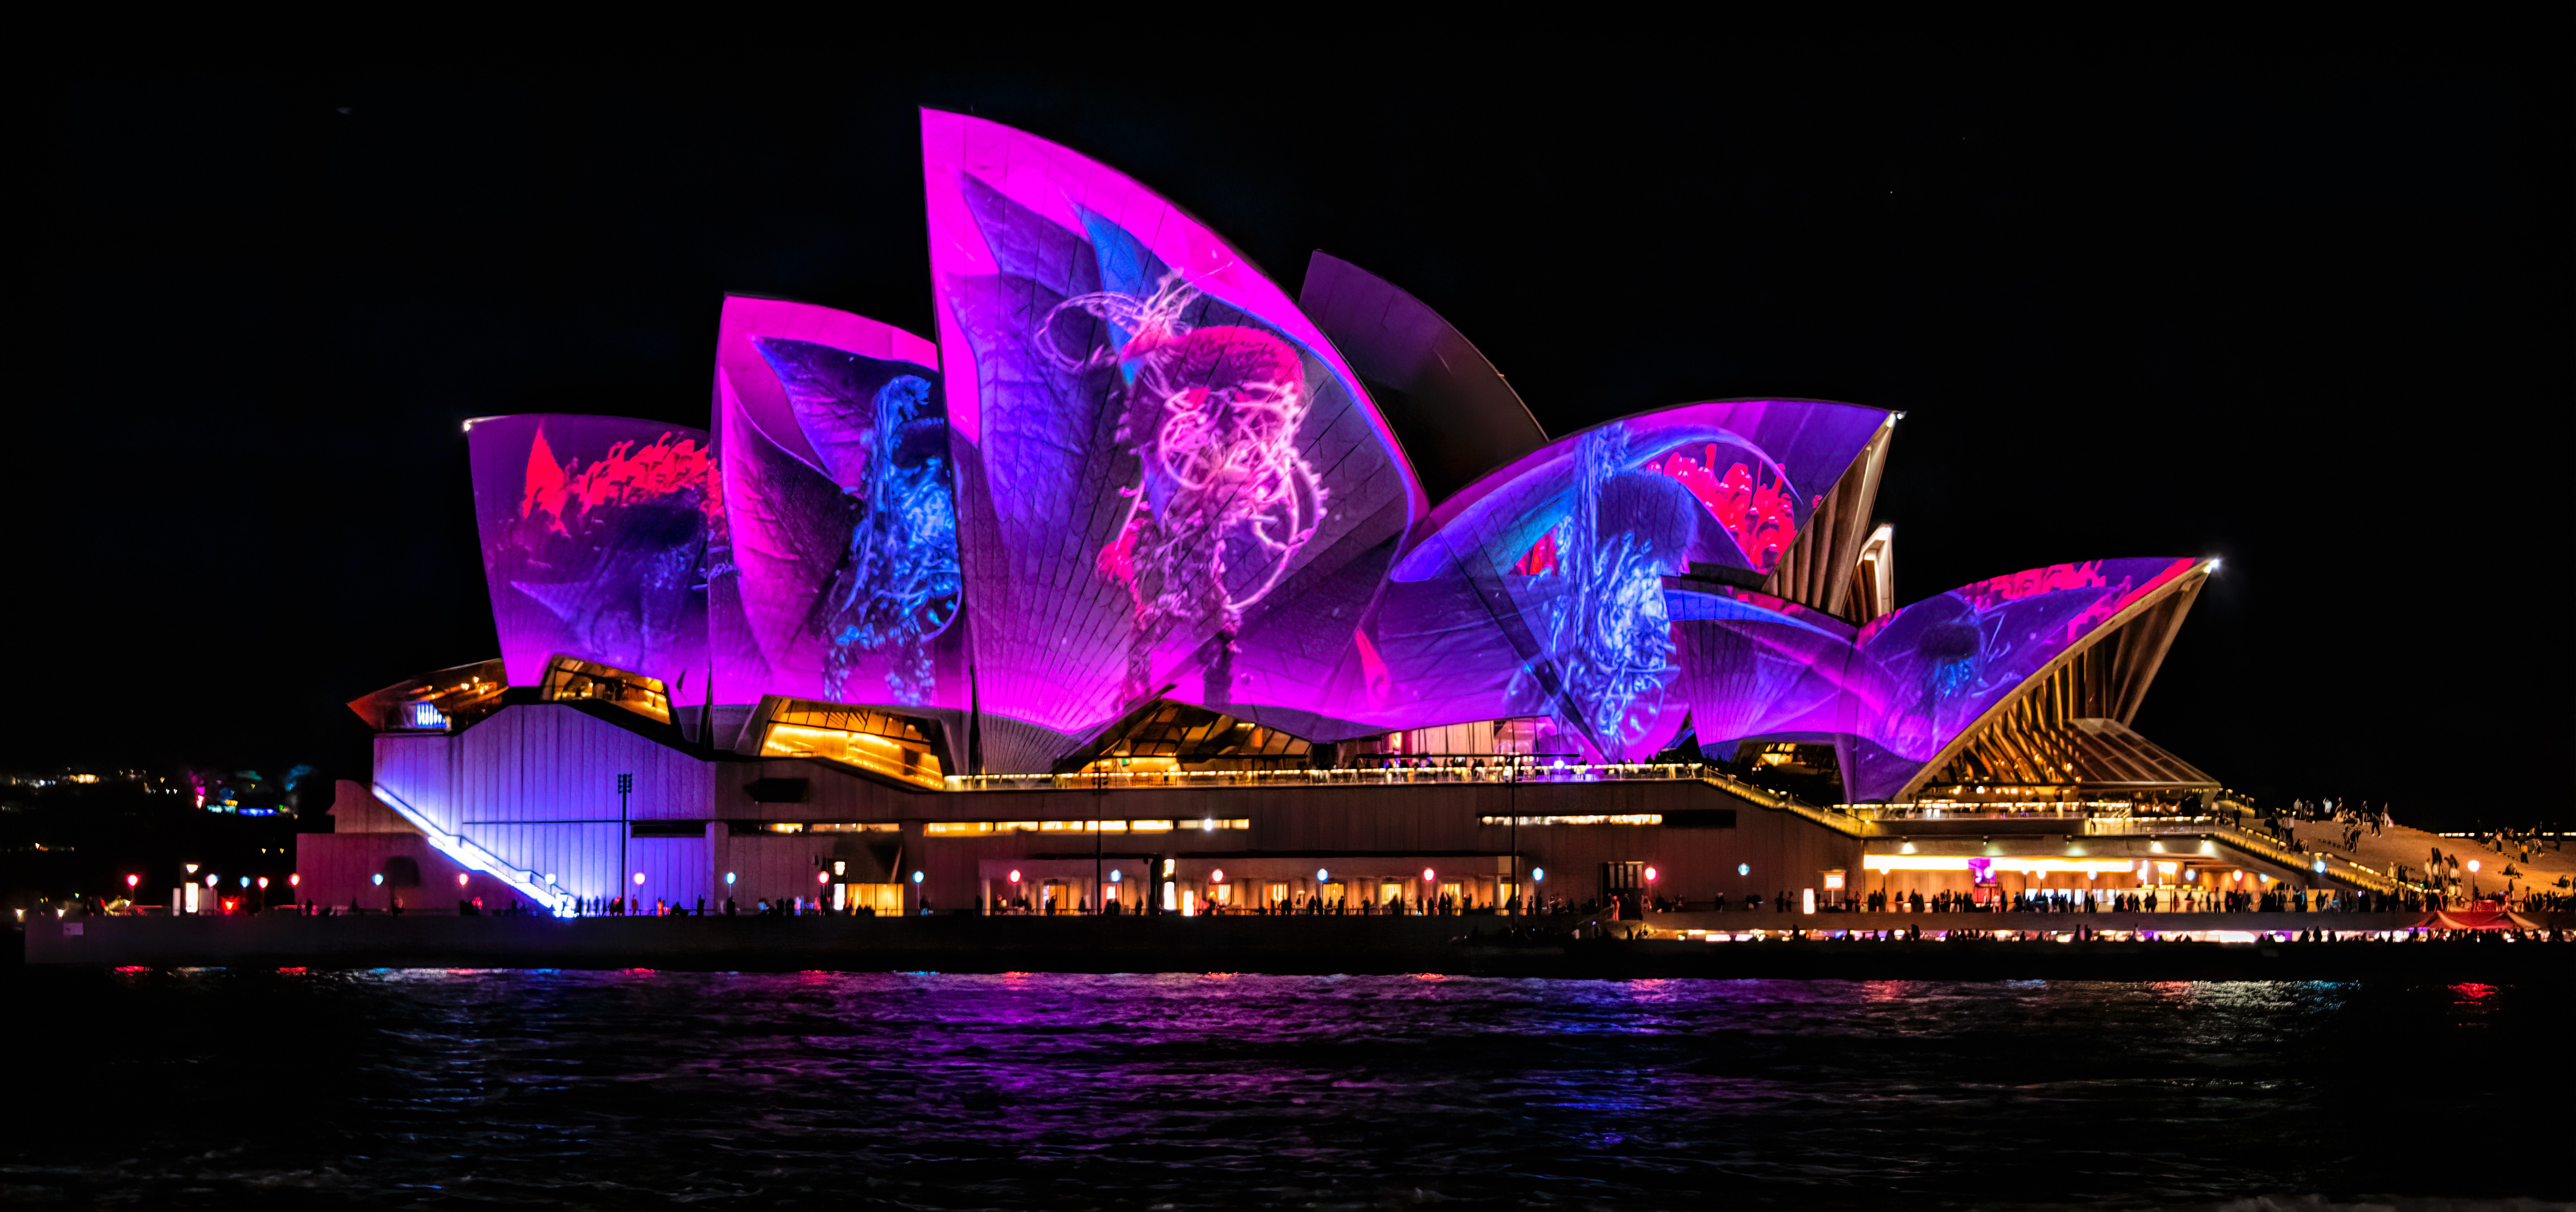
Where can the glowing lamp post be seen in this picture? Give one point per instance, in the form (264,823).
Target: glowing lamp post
(916,892)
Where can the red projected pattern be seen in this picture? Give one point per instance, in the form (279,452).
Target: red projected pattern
(1753,506)
(623,476)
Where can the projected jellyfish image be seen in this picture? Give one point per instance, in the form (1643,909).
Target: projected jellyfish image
(1211,415)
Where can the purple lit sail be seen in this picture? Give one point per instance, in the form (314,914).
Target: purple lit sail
(1539,589)
(592,530)
(1171,482)
(836,574)
(1900,689)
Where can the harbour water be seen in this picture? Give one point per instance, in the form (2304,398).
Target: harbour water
(508,1088)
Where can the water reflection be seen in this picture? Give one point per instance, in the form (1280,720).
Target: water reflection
(640,1088)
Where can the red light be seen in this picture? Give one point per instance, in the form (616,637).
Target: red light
(1650,875)
(1427,877)
(1217,876)
(460,879)
(263,883)
(822,877)
(132,880)
(1015,875)
(293,880)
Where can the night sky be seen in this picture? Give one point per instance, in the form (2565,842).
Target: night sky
(2303,305)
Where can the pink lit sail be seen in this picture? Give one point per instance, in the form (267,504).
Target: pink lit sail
(1172,485)
(592,529)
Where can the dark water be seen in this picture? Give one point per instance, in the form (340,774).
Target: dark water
(500,1088)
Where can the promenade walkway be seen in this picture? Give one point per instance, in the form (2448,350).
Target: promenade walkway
(2413,848)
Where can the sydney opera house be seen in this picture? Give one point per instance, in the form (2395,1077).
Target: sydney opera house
(1141,582)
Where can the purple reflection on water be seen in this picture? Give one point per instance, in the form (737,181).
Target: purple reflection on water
(634,1089)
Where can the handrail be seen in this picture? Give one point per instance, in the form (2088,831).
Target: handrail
(469,853)
(2254,844)
(1495,773)
(1835,819)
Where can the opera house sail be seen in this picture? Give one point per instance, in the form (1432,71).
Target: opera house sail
(1132,509)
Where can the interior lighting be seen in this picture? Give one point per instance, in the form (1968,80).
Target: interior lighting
(1906,848)
(1217,876)
(192,868)
(1951,862)
(2321,866)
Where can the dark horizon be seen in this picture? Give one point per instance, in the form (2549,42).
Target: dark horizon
(2211,304)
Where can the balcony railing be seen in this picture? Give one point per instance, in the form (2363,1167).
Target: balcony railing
(1499,770)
